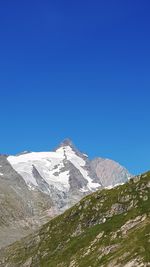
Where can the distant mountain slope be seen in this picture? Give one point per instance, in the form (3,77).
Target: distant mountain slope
(36,186)
(109,228)
(110,172)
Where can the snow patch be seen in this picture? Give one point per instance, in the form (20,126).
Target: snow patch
(48,164)
(113,186)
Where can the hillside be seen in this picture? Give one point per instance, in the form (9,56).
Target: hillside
(110,228)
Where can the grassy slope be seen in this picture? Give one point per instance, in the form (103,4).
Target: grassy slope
(107,228)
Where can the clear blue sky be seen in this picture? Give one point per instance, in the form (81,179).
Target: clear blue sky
(78,69)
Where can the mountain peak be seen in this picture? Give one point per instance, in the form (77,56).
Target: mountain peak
(67,142)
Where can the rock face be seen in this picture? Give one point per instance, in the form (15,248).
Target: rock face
(20,208)
(36,186)
(109,228)
(109,172)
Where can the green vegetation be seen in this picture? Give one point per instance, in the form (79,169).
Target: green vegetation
(107,228)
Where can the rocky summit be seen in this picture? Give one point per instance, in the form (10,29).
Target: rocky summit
(37,186)
(109,228)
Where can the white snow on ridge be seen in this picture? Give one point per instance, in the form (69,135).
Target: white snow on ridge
(33,156)
(79,163)
(50,165)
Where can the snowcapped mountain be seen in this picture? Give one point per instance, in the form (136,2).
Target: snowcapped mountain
(55,169)
(35,186)
(66,174)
